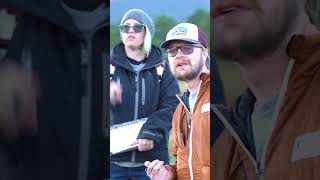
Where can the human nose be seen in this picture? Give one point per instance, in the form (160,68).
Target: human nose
(179,53)
(131,29)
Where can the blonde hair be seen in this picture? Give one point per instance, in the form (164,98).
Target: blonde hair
(147,43)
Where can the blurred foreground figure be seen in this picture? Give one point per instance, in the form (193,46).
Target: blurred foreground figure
(52,94)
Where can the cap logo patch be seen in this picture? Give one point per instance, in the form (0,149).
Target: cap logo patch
(180,31)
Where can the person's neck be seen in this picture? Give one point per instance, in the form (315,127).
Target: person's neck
(193,85)
(264,75)
(135,53)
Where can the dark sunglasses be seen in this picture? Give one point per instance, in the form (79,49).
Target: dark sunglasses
(136,28)
(185,49)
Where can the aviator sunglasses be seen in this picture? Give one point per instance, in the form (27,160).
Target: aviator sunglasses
(185,49)
(124,28)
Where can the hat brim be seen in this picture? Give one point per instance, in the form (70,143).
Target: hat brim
(165,44)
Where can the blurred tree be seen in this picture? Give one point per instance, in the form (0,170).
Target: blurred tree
(163,24)
(201,18)
(114,35)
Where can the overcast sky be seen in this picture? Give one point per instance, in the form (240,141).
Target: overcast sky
(178,9)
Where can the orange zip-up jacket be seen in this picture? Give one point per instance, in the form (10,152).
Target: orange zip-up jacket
(191,145)
(293,148)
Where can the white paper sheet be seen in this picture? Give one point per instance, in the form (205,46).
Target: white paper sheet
(121,135)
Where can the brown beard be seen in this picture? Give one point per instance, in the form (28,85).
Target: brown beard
(190,75)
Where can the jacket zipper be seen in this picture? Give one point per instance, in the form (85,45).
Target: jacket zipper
(234,134)
(190,141)
(191,130)
(283,90)
(259,172)
(259,166)
(136,106)
(143,95)
(136,101)
(86,54)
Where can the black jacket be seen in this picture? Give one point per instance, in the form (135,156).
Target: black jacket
(153,97)
(71,107)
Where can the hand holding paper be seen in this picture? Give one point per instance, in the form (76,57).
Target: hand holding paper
(143,144)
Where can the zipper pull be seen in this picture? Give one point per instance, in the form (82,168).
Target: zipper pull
(136,81)
(259,171)
(189,124)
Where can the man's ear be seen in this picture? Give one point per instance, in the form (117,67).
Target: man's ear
(204,54)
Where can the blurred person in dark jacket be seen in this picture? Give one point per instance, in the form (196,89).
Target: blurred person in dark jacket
(56,102)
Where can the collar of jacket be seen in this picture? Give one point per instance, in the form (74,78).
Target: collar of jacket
(205,78)
(240,118)
(119,57)
(305,51)
(301,47)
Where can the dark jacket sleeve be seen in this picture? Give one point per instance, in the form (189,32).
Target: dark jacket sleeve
(159,124)
(217,97)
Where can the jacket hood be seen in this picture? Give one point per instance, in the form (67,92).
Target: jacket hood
(119,57)
(51,10)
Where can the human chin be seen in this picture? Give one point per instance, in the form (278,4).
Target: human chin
(180,76)
(241,40)
(224,43)
(133,44)
(188,73)
(180,73)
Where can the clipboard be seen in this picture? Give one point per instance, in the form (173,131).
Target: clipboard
(121,135)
